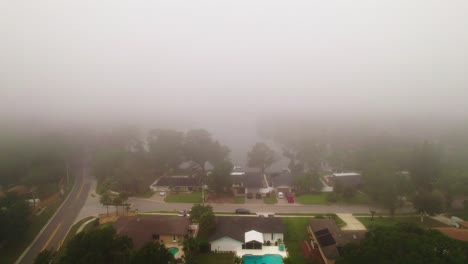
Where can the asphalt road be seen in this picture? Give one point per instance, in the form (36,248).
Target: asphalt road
(55,231)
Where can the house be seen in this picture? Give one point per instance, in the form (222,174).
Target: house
(347,179)
(328,239)
(247,235)
(455,233)
(180,183)
(281,182)
(170,230)
(250,181)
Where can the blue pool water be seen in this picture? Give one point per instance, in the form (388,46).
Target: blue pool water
(265,259)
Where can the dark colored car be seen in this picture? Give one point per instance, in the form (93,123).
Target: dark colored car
(258,196)
(249,196)
(242,211)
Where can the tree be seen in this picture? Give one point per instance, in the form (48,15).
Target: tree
(307,182)
(117,201)
(106,200)
(166,148)
(152,252)
(425,165)
(220,178)
(261,156)
(200,148)
(405,244)
(44,257)
(204,216)
(383,184)
(14,214)
(100,245)
(426,202)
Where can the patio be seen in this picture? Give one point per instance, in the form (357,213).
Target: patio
(265,250)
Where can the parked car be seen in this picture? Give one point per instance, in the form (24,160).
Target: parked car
(258,196)
(249,195)
(163,193)
(280,195)
(242,211)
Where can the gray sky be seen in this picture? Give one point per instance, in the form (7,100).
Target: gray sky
(203,60)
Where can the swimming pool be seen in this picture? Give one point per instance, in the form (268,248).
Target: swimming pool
(264,259)
(173,250)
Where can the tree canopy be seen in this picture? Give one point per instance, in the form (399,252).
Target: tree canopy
(405,244)
(261,156)
(219,179)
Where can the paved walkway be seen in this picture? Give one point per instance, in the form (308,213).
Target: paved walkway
(351,222)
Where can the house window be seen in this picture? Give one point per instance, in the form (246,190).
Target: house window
(174,238)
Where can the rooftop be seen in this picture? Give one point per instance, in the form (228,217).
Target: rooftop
(455,233)
(141,229)
(178,180)
(236,227)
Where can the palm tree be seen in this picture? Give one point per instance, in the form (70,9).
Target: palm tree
(106,200)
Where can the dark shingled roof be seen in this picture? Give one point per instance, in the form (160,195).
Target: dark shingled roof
(331,239)
(141,229)
(281,179)
(188,181)
(235,227)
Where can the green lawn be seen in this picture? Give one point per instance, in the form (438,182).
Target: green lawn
(312,198)
(295,233)
(215,258)
(270,200)
(388,221)
(194,197)
(239,199)
(321,198)
(11,252)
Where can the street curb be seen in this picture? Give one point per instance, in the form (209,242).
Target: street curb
(46,225)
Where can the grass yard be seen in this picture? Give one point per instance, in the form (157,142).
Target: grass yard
(312,198)
(239,199)
(359,198)
(194,197)
(295,233)
(388,221)
(321,198)
(215,258)
(11,252)
(270,200)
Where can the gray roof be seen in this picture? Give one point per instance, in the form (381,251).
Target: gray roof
(179,180)
(235,227)
(281,179)
(141,228)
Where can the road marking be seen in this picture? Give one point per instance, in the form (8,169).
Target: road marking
(51,236)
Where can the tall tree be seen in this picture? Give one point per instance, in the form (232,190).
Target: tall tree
(200,148)
(101,245)
(166,148)
(425,165)
(428,202)
(106,200)
(14,214)
(261,156)
(220,178)
(405,244)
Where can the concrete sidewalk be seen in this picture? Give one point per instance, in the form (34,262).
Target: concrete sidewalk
(351,222)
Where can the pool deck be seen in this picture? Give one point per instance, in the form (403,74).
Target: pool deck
(265,250)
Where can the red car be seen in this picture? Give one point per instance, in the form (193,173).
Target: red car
(290,198)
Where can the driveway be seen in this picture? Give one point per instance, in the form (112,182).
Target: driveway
(351,222)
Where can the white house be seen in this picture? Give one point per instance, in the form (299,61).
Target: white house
(235,234)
